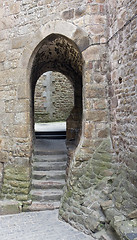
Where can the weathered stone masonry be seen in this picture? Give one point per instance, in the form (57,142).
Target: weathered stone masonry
(54,98)
(93,43)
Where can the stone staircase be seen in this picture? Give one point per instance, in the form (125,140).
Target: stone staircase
(48,179)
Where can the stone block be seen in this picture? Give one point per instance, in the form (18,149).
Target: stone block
(114,103)
(92,221)
(92,53)
(88,130)
(10,106)
(95,92)
(10,207)
(100,104)
(81,39)
(7,22)
(68,14)
(47,2)
(2,106)
(21,118)
(133,214)
(22,106)
(15,8)
(133,38)
(20,42)
(97,115)
(3,35)
(3,156)
(131,236)
(80,11)
(94,8)
(26,55)
(100,30)
(98,19)
(126,229)
(98,78)
(1,12)
(107,204)
(16,182)
(103,133)
(100,1)
(1,173)
(2,56)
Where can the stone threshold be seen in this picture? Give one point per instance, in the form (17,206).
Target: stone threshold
(10,207)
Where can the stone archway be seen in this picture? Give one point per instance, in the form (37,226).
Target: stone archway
(76,40)
(58,53)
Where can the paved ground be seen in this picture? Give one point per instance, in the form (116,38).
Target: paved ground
(53,126)
(50,146)
(38,226)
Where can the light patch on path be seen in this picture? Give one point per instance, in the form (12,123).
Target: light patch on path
(50,127)
(38,226)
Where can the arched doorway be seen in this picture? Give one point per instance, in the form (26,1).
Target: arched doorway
(58,53)
(55,53)
(56,46)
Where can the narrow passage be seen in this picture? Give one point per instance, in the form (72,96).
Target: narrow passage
(50,158)
(49,166)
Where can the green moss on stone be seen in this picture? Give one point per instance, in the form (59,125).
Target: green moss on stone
(16,182)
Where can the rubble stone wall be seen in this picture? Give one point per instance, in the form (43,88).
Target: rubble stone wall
(123,105)
(54,98)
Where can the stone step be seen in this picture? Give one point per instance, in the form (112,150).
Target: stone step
(49,175)
(46,195)
(42,206)
(47,166)
(50,158)
(49,152)
(50,135)
(41,184)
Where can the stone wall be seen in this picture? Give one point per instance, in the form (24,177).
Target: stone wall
(92,40)
(54,98)
(123,105)
(90,170)
(111,167)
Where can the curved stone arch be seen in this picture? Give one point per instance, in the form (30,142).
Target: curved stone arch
(77,37)
(69,30)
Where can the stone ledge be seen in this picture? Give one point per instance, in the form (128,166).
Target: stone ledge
(126,229)
(10,207)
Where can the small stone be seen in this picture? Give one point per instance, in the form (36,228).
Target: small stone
(80,11)
(68,14)
(131,236)
(114,102)
(107,204)
(3,157)
(133,214)
(103,133)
